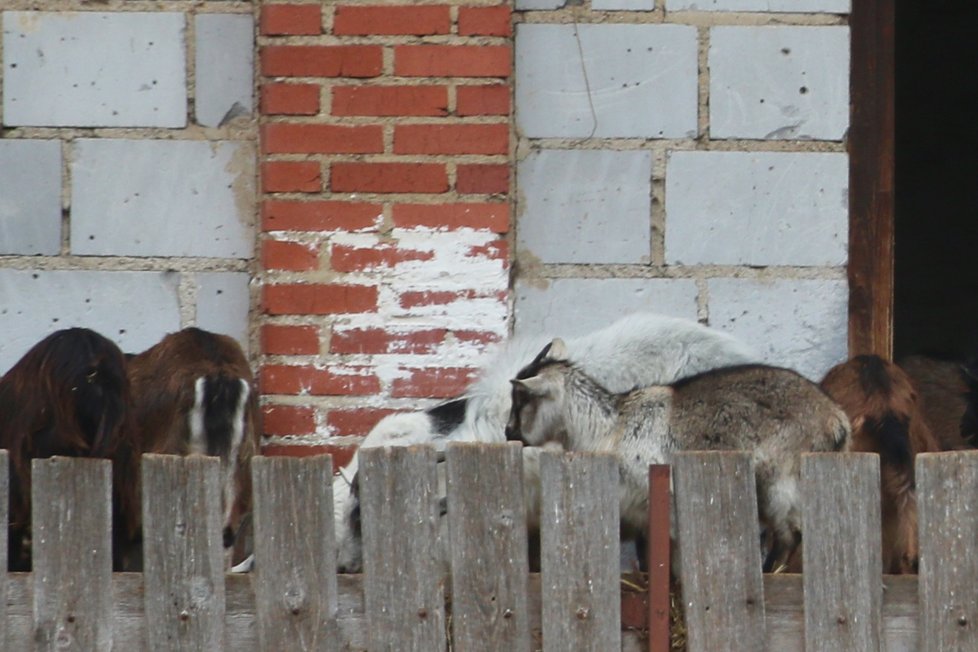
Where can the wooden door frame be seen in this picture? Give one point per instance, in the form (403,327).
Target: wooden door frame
(871,176)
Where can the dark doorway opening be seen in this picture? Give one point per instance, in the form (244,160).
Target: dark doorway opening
(936,178)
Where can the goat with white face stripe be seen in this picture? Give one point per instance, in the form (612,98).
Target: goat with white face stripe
(192,395)
(774,414)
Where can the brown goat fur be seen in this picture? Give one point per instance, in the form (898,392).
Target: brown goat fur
(883,408)
(68,395)
(188,392)
(944,393)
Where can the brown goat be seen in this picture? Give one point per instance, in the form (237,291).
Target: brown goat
(947,399)
(67,395)
(886,418)
(192,394)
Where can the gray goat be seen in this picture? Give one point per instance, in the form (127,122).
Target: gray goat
(774,413)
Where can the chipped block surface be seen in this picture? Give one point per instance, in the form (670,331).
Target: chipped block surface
(162,198)
(782,83)
(134,309)
(796,323)
(757,208)
(94,69)
(575,81)
(224,67)
(222,304)
(585,206)
(772,6)
(570,307)
(30,197)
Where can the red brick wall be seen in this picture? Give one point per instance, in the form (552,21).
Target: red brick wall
(385,175)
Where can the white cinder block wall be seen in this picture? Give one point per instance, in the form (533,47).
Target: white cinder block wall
(127,171)
(686,157)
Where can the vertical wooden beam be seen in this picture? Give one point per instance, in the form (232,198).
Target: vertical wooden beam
(295,562)
(871,177)
(183,553)
(71,520)
(719,551)
(842,553)
(580,552)
(660,500)
(487,533)
(948,527)
(403,562)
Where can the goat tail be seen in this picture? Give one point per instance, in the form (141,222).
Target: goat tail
(217,420)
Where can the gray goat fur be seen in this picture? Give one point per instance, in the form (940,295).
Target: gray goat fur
(774,413)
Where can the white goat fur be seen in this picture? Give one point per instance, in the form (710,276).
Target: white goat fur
(773,413)
(638,350)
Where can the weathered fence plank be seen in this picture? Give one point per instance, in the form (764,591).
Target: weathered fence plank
(720,559)
(182,552)
(579,552)
(403,562)
(4,518)
(842,551)
(295,562)
(71,546)
(947,484)
(488,547)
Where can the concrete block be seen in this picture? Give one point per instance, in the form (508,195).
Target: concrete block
(640,81)
(30,197)
(771,6)
(796,323)
(224,67)
(162,198)
(134,309)
(574,306)
(622,5)
(757,208)
(585,206)
(779,83)
(94,69)
(223,303)
(539,5)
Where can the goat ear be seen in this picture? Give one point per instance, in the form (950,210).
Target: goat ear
(558,350)
(534,386)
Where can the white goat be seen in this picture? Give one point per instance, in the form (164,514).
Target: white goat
(775,414)
(637,350)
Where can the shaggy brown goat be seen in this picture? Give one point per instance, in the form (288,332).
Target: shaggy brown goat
(68,396)
(192,394)
(886,418)
(947,399)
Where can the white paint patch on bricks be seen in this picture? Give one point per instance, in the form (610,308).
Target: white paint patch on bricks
(30,197)
(640,81)
(223,299)
(571,307)
(94,69)
(134,309)
(784,83)
(224,67)
(162,198)
(796,323)
(585,206)
(757,208)
(772,6)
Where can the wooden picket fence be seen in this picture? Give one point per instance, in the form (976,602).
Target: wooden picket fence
(405,599)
